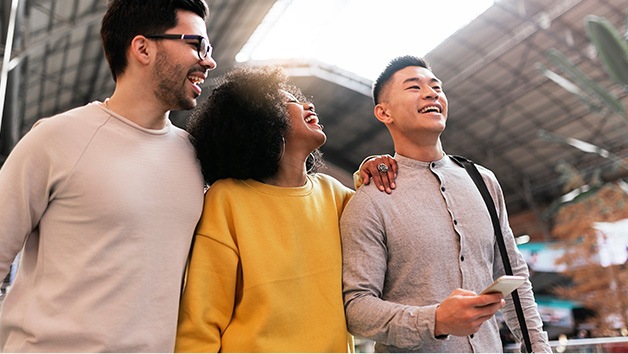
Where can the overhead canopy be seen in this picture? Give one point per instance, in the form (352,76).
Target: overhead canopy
(499,99)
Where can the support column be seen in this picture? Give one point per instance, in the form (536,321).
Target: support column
(12,36)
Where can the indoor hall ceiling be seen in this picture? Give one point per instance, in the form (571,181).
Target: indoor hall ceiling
(498,99)
(61,63)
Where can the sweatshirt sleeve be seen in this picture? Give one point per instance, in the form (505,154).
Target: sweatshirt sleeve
(209,298)
(538,337)
(28,180)
(364,269)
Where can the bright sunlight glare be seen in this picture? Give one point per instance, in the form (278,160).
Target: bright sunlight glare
(360,36)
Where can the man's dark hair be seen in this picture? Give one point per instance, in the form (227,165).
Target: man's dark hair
(238,131)
(126,19)
(393,66)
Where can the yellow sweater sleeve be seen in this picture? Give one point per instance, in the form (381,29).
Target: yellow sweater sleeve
(208,301)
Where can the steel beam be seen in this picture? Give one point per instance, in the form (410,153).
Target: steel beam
(9,79)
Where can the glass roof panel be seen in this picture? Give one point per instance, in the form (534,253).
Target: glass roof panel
(360,36)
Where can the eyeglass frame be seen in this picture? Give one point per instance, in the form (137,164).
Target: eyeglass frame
(208,48)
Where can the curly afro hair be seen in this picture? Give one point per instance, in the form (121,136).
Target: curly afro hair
(238,131)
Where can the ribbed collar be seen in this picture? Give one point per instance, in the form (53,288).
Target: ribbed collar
(282,191)
(165,130)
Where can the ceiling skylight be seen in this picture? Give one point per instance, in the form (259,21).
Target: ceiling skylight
(360,36)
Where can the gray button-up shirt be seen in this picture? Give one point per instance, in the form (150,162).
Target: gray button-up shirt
(405,252)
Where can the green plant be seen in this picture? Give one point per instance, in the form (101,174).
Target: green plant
(611,46)
(603,289)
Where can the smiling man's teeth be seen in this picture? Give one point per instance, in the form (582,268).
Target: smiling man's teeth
(196,80)
(430,109)
(311,118)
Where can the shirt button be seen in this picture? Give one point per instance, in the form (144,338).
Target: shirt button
(433,164)
(455,222)
(442,189)
(471,336)
(462,258)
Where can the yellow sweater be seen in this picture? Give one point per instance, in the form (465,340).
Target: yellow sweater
(265,273)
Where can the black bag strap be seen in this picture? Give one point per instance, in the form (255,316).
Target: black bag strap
(490,205)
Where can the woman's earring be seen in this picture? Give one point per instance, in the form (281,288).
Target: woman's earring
(283,148)
(312,160)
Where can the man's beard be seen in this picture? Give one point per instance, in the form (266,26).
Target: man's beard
(170,90)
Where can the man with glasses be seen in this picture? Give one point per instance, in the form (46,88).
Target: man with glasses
(103,199)
(202,47)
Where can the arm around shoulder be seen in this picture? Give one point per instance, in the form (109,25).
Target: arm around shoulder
(382,169)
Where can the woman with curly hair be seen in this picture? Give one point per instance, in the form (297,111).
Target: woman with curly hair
(265,271)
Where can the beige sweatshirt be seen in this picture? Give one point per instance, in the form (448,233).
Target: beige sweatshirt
(107,210)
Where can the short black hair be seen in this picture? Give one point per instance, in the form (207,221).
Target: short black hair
(126,19)
(238,131)
(393,66)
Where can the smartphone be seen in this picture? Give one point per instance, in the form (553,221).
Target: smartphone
(505,284)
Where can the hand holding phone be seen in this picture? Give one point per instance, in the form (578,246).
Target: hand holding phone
(505,284)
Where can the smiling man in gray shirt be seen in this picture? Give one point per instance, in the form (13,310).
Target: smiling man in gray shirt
(415,260)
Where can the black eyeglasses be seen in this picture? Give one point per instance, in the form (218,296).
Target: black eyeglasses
(202,47)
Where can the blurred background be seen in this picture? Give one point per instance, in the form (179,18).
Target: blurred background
(537,92)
